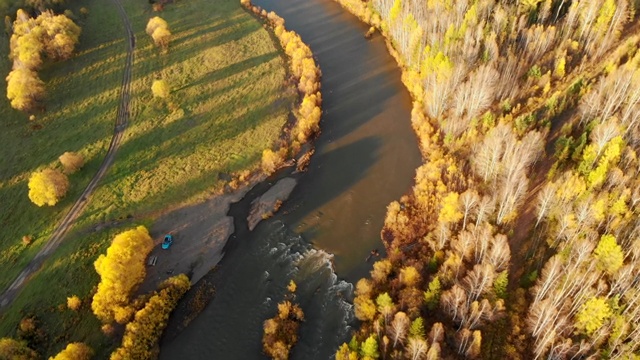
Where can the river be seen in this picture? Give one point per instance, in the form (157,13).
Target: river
(365,158)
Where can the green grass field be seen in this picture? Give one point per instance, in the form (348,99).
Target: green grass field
(229,102)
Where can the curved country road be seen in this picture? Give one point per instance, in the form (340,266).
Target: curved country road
(120,125)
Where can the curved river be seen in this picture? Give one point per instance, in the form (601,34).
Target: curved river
(365,158)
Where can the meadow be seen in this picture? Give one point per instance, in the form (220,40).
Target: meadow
(229,101)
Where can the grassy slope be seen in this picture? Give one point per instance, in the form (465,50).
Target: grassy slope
(227,79)
(78,118)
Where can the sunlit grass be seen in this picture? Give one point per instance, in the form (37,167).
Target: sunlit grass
(80,111)
(229,103)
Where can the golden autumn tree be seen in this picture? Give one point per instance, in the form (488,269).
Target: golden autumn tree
(50,35)
(47,187)
(161,37)
(60,35)
(26,51)
(24,89)
(121,270)
(155,23)
(74,351)
(142,334)
(272,160)
(15,350)
(71,162)
(593,314)
(158,29)
(609,254)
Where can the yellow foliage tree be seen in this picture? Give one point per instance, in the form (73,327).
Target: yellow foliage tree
(121,270)
(24,89)
(142,334)
(47,187)
(161,37)
(74,351)
(158,29)
(609,254)
(59,35)
(71,162)
(26,51)
(365,309)
(381,270)
(155,23)
(450,210)
(272,160)
(593,314)
(15,350)
(409,276)
(292,286)
(50,34)
(344,353)
(364,287)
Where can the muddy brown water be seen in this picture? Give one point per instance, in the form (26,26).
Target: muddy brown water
(365,158)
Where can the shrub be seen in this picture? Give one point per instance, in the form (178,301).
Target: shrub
(160,89)
(71,162)
(74,302)
(27,240)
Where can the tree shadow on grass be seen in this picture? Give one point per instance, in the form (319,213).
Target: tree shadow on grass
(185,48)
(230,70)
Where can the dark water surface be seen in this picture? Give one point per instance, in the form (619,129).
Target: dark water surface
(365,158)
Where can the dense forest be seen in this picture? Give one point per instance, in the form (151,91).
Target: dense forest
(519,239)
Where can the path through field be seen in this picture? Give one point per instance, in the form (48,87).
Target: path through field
(66,223)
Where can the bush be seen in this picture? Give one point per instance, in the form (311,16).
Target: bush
(71,162)
(27,240)
(160,89)
(74,302)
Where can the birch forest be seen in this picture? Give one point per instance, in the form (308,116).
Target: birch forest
(520,239)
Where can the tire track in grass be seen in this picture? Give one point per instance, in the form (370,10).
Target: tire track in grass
(122,119)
